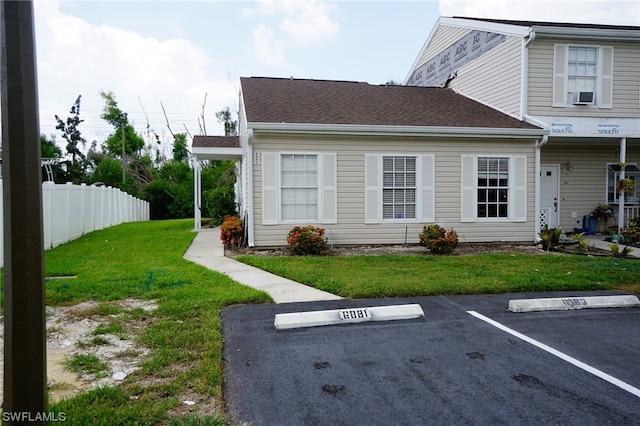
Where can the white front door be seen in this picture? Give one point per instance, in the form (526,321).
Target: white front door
(549,189)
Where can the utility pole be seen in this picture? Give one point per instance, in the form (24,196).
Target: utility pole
(25,367)
(124,163)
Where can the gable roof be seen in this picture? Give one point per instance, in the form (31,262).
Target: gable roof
(327,102)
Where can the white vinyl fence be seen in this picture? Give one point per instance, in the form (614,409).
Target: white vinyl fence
(70,211)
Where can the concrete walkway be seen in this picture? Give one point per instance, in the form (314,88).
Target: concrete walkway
(207,250)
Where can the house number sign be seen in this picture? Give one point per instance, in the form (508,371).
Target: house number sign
(355,314)
(574,302)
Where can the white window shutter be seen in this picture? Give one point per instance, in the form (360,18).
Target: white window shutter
(519,201)
(560,75)
(468,194)
(270,193)
(328,189)
(427,188)
(373,188)
(606,80)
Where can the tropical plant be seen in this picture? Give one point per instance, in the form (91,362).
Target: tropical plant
(550,237)
(582,242)
(618,252)
(438,240)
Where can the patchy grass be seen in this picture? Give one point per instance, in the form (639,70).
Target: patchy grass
(423,275)
(87,364)
(144,261)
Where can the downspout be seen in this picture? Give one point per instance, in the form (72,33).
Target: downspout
(542,142)
(250,195)
(623,160)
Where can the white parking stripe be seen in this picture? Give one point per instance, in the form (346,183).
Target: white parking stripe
(604,376)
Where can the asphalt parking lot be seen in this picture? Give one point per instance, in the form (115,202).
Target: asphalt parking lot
(463,363)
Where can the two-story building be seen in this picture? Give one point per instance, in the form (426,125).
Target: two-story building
(579,81)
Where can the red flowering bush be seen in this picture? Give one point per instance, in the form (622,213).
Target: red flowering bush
(231,231)
(438,240)
(307,240)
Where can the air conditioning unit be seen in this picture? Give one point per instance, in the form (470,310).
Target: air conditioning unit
(583,98)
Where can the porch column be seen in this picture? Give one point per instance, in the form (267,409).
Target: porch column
(623,160)
(197,194)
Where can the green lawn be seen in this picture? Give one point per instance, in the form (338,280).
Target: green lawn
(144,260)
(423,275)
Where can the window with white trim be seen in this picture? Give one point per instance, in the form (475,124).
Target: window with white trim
(299,186)
(613,177)
(398,187)
(582,71)
(583,76)
(493,187)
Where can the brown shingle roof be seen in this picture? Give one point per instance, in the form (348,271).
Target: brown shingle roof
(277,100)
(216,142)
(553,24)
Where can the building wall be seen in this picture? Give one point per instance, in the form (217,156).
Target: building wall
(626,81)
(495,78)
(351,150)
(584,187)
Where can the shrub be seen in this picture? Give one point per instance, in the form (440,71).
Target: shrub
(438,240)
(231,231)
(218,203)
(308,240)
(631,234)
(550,237)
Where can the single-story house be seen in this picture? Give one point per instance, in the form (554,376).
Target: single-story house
(374,164)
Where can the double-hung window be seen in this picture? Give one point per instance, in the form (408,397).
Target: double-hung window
(299,187)
(493,187)
(582,72)
(398,187)
(583,76)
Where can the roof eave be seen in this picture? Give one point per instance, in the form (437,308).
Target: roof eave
(217,153)
(585,33)
(387,130)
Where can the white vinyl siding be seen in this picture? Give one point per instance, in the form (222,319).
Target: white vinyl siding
(359,196)
(619,82)
(494,78)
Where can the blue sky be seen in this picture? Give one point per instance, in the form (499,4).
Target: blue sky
(175,52)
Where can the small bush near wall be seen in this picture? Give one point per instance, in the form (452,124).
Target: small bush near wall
(438,240)
(308,240)
(231,231)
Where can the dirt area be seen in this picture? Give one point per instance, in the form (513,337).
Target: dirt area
(373,250)
(71,332)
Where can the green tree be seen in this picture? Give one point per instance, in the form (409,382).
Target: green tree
(230,125)
(180,149)
(113,115)
(77,167)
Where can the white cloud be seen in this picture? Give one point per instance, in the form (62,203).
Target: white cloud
(75,57)
(269,49)
(301,23)
(616,12)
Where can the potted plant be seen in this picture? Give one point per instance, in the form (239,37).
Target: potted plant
(625,185)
